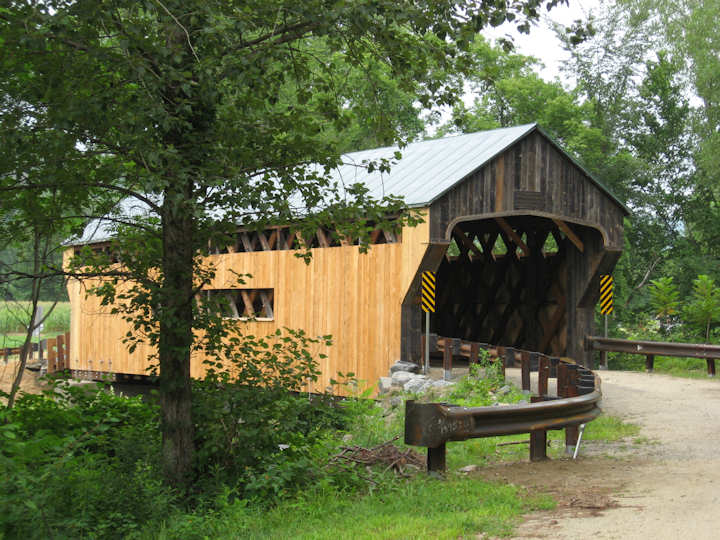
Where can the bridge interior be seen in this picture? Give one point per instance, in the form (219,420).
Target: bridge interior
(504,281)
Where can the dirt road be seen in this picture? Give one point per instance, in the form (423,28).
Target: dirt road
(666,487)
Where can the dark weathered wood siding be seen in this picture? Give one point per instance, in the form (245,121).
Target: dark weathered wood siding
(535,177)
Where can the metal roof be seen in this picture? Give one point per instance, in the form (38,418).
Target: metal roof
(426,171)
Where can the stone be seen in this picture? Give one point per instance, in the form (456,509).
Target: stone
(504,390)
(384,385)
(416,384)
(404,366)
(399,378)
(468,469)
(442,383)
(347,437)
(396,401)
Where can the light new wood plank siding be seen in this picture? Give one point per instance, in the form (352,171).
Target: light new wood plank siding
(354,297)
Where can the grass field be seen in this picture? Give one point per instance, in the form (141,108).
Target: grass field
(15,315)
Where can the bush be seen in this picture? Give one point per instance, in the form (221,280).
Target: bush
(76,463)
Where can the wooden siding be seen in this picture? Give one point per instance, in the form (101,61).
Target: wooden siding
(531,177)
(354,297)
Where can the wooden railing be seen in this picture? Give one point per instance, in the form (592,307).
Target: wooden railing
(56,350)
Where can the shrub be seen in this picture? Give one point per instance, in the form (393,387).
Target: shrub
(76,463)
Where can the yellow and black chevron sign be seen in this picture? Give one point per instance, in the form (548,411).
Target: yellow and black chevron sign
(428,292)
(606,294)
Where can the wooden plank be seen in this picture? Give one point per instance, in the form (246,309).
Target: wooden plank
(60,342)
(499,183)
(564,227)
(525,370)
(52,355)
(508,230)
(543,374)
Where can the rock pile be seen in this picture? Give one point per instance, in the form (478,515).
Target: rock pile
(406,376)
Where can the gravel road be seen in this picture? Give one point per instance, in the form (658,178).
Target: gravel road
(666,485)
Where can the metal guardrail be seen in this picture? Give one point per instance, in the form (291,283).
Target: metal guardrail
(651,349)
(578,394)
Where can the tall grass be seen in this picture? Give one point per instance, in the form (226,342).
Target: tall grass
(14,316)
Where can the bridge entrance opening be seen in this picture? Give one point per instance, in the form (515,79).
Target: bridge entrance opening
(506,281)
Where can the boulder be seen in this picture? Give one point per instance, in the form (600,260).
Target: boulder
(399,378)
(442,383)
(404,366)
(384,385)
(417,384)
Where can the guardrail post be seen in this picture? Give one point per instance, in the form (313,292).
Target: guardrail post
(509,354)
(436,459)
(525,370)
(571,390)
(543,374)
(447,359)
(538,438)
(650,363)
(6,355)
(710,367)
(474,352)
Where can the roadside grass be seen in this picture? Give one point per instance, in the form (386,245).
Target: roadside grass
(456,506)
(690,368)
(421,507)
(609,429)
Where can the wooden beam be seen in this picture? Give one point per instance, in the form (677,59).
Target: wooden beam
(322,239)
(463,239)
(564,227)
(263,241)
(552,328)
(247,244)
(508,230)
(248,300)
(273,238)
(267,298)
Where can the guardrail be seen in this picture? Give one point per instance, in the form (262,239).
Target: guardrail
(651,349)
(432,425)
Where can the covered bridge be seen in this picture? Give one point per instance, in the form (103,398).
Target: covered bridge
(516,230)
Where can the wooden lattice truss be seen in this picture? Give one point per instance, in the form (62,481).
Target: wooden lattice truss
(283,238)
(508,283)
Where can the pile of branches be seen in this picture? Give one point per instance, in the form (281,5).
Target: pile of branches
(387,454)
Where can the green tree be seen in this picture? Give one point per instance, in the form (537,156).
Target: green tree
(703,308)
(190,107)
(664,300)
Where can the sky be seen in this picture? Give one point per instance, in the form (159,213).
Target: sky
(541,42)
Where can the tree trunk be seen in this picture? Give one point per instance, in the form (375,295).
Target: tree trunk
(34,299)
(175,342)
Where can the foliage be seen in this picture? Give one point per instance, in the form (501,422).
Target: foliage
(14,316)
(703,307)
(191,107)
(480,387)
(79,463)
(664,299)
(461,506)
